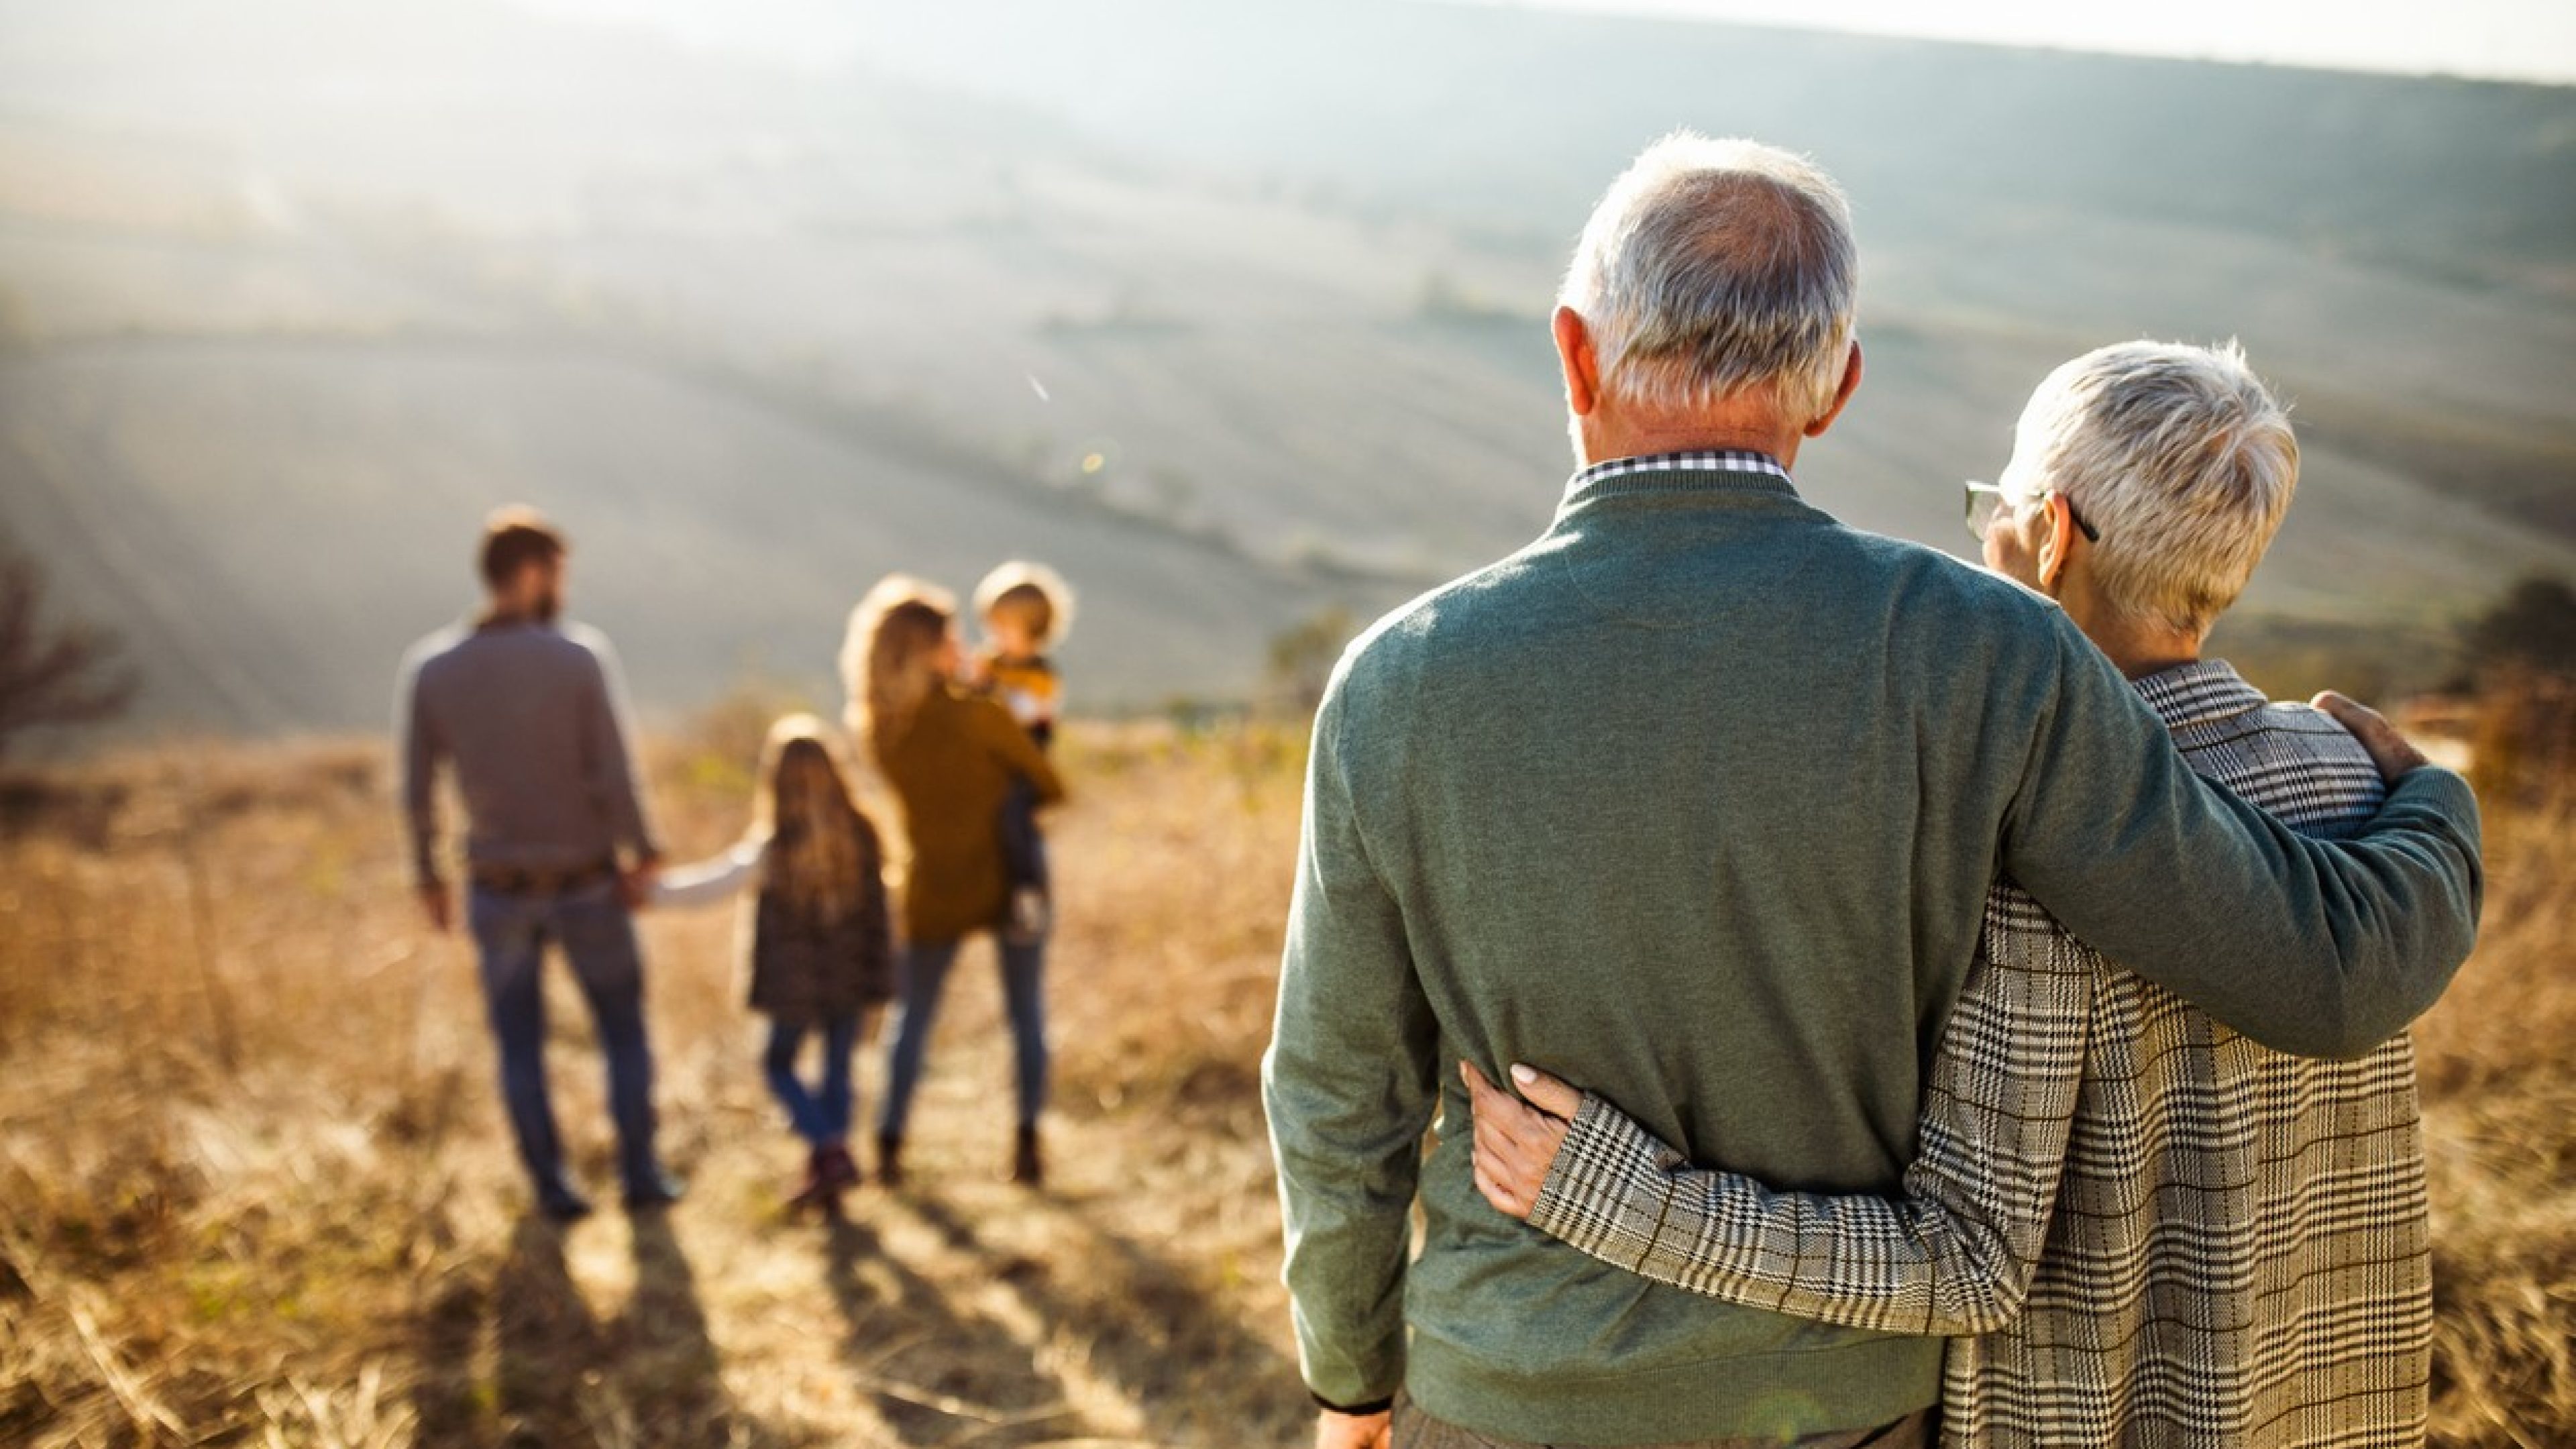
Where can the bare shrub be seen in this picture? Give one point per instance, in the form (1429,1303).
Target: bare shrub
(52,674)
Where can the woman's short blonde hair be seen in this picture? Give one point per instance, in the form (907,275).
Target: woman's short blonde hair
(2178,456)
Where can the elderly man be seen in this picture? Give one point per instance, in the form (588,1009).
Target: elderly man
(526,712)
(1698,798)
(2168,1235)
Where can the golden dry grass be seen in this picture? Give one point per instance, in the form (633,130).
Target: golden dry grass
(2500,1102)
(254,1187)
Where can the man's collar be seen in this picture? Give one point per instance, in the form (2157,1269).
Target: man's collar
(2198,692)
(1705,470)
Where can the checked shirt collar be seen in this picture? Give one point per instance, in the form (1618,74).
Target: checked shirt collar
(1706,470)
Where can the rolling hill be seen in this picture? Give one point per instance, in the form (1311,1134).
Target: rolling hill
(1236,315)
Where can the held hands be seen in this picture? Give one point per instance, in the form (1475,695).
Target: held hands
(2388,749)
(635,886)
(1517,1137)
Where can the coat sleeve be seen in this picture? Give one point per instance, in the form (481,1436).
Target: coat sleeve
(876,913)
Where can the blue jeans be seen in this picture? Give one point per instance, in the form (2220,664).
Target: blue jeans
(821,1117)
(598,937)
(925,980)
(1024,853)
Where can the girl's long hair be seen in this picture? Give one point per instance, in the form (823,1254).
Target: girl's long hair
(821,847)
(890,660)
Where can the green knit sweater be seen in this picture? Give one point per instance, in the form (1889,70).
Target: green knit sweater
(1697,800)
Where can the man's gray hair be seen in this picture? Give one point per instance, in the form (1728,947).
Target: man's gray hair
(1711,268)
(2178,456)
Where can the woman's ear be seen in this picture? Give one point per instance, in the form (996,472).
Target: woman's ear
(2054,549)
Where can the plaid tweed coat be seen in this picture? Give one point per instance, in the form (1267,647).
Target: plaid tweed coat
(2144,1228)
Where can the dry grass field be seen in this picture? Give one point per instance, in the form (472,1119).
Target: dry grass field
(255,1189)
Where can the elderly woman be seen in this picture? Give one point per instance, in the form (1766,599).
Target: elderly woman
(2138,1226)
(951,759)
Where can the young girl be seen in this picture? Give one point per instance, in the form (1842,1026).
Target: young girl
(952,759)
(818,942)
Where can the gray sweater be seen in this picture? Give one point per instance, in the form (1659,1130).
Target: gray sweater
(529,716)
(1697,800)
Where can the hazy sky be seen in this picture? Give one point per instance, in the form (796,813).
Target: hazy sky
(2510,39)
(2517,39)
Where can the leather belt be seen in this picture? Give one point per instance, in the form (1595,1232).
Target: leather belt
(522,880)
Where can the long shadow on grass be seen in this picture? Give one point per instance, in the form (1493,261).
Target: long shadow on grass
(546,1340)
(560,1376)
(936,1377)
(1155,1329)
(666,1367)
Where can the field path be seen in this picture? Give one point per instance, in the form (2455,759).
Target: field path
(960,1310)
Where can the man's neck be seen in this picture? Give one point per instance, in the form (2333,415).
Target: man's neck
(1608,434)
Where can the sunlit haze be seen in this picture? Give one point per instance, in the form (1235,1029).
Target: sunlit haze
(2527,40)
(1164,293)
(2532,40)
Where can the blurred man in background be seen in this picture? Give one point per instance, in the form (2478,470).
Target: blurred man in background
(527,712)
(1698,799)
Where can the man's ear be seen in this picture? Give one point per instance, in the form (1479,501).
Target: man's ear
(1574,355)
(2060,543)
(1842,394)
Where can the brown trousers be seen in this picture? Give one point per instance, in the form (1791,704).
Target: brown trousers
(1415,1429)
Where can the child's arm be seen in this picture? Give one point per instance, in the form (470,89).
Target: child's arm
(1021,754)
(1046,695)
(712,880)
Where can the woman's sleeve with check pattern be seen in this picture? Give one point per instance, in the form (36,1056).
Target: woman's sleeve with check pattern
(1954,1254)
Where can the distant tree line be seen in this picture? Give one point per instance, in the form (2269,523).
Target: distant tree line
(2530,631)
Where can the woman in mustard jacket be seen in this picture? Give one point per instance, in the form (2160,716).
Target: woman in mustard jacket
(950,758)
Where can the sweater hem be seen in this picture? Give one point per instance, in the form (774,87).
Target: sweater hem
(1814,1391)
